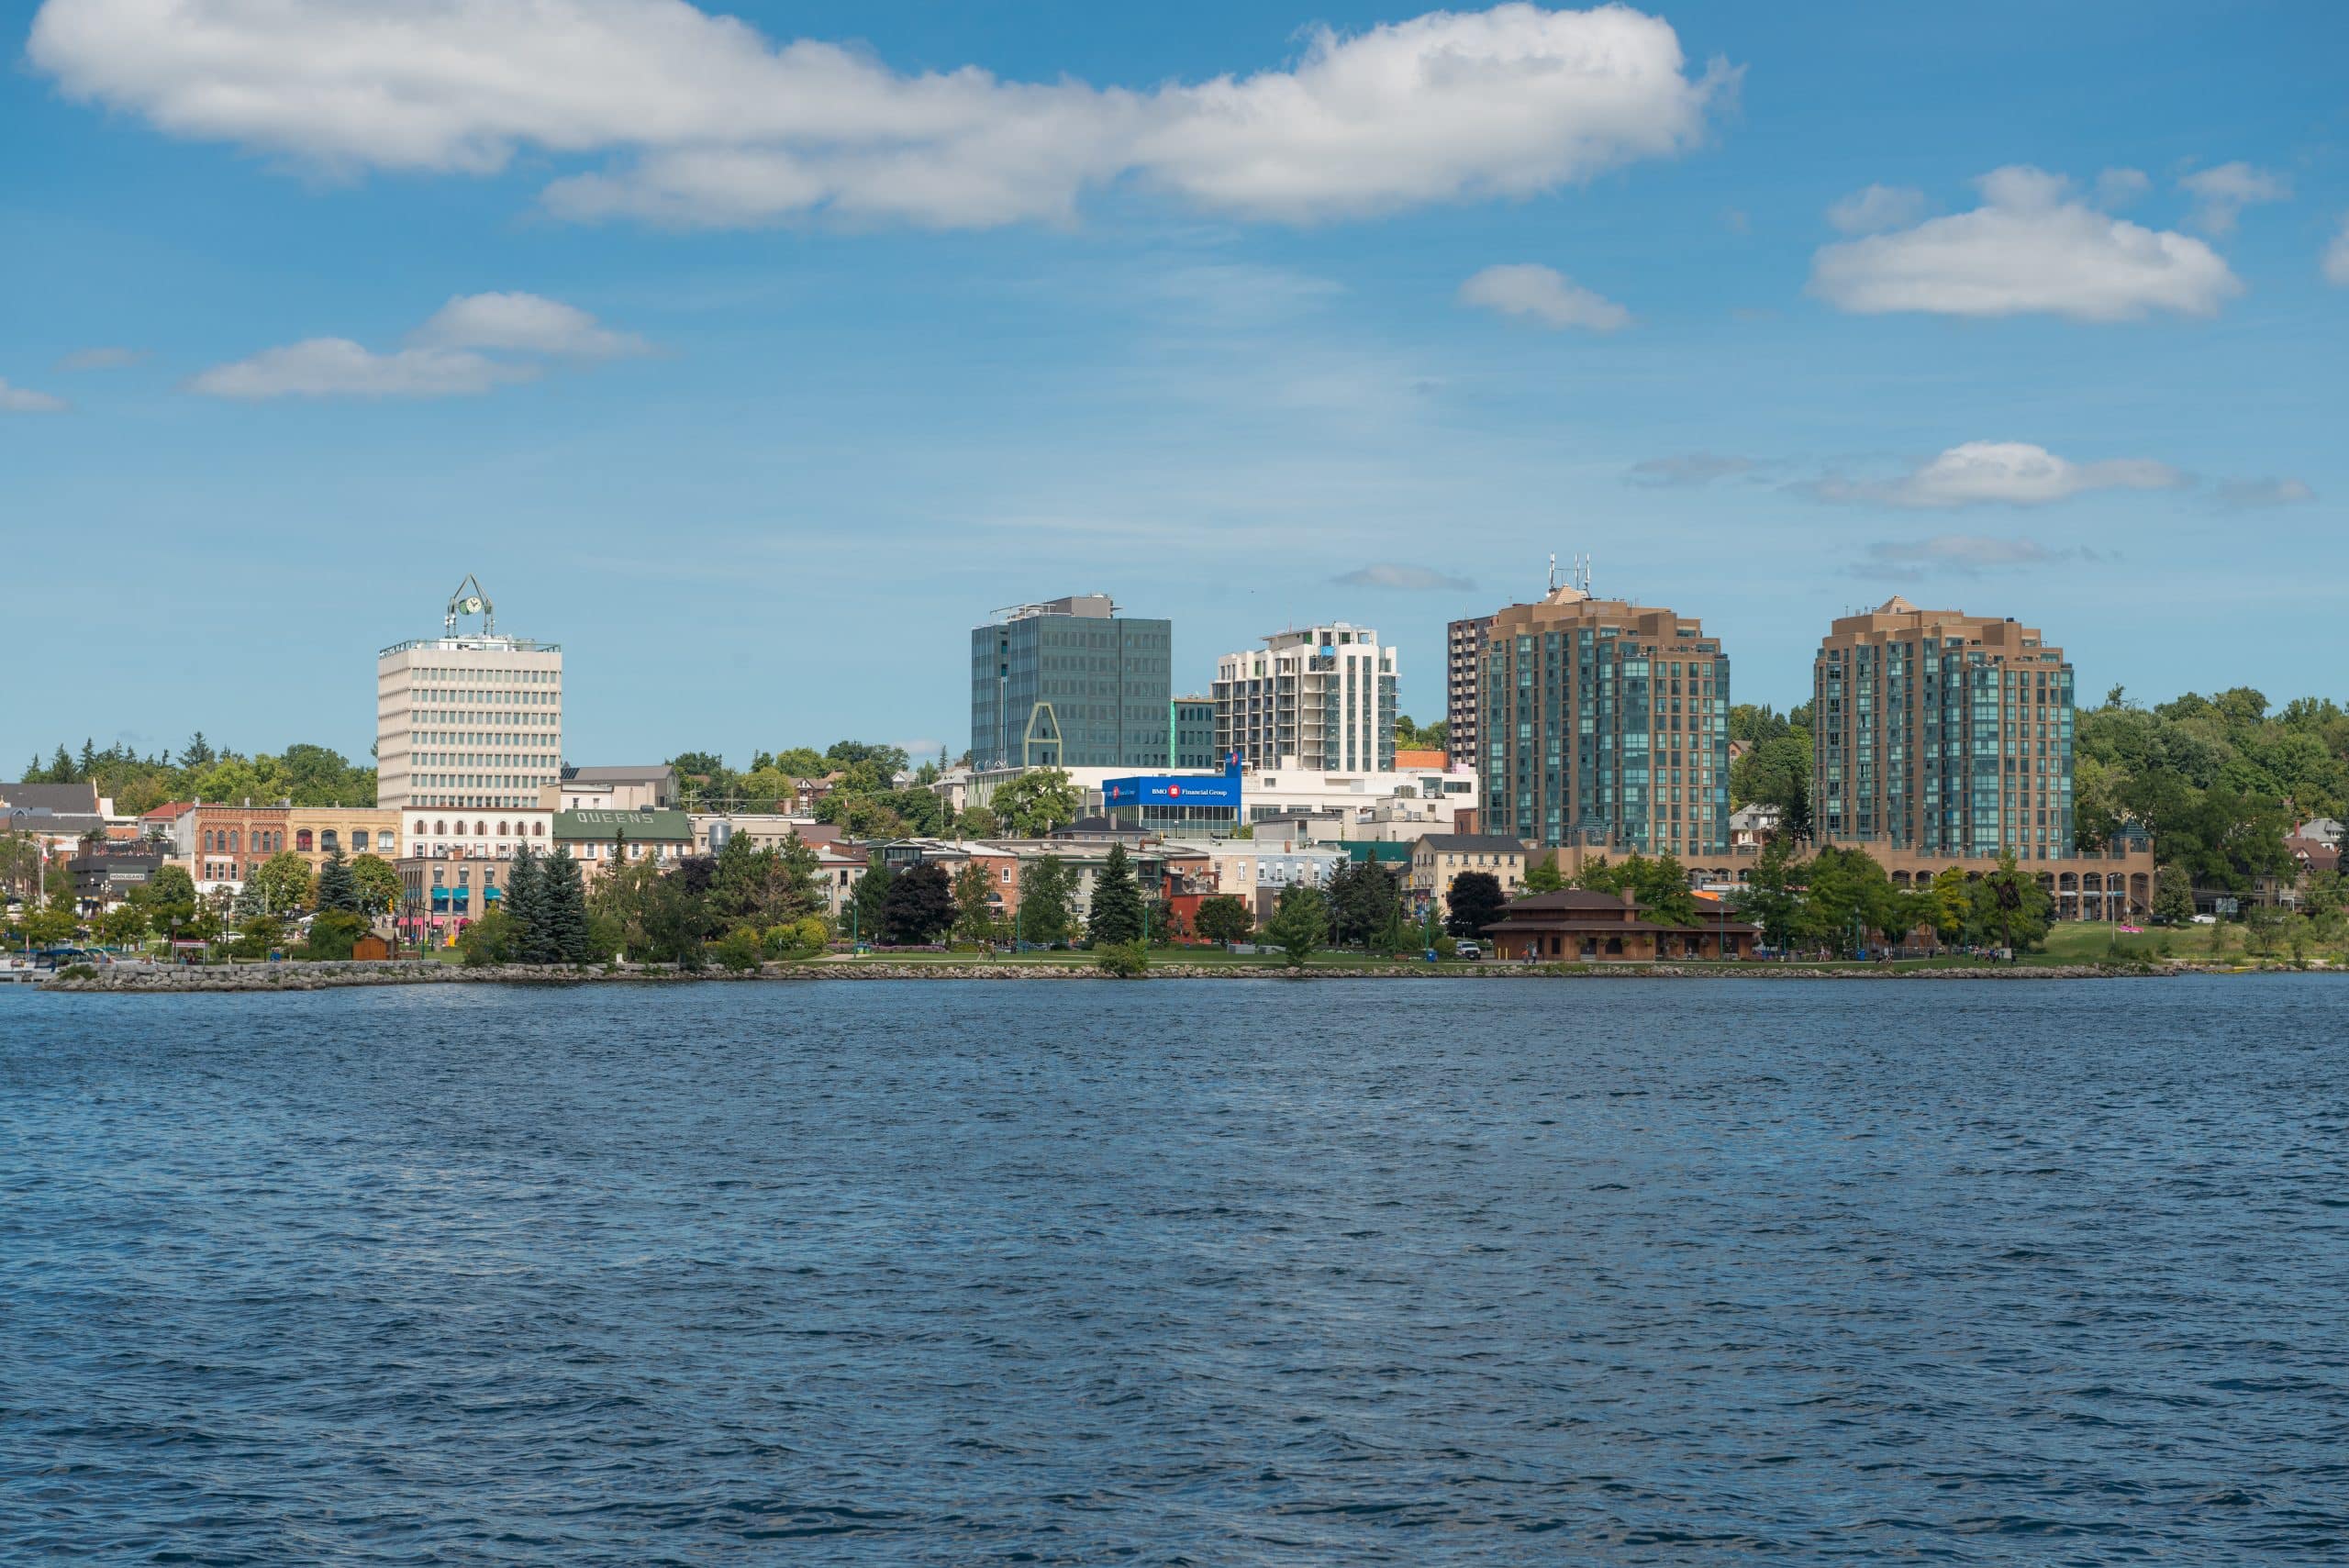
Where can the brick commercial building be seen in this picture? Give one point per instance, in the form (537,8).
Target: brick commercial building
(1438,859)
(1607,724)
(601,840)
(221,845)
(314,832)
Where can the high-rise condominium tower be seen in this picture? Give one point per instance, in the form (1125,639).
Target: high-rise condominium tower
(1320,700)
(1941,733)
(1463,679)
(1605,723)
(468,719)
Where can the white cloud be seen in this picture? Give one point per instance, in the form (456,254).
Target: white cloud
(1875,208)
(2244,495)
(101,359)
(701,120)
(2336,257)
(1548,296)
(1963,555)
(444,358)
(2223,193)
(337,367)
(2014,474)
(1389,574)
(2028,248)
(25,400)
(526,323)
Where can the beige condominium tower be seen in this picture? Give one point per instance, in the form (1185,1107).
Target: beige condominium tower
(1605,724)
(468,719)
(1942,734)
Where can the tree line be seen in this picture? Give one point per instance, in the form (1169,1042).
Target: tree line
(304,774)
(2219,781)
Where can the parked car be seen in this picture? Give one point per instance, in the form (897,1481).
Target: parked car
(1470,950)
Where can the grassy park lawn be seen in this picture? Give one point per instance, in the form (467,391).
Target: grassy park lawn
(2090,941)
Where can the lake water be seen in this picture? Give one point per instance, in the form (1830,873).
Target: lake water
(1203,1272)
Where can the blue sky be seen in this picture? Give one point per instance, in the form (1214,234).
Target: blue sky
(794,366)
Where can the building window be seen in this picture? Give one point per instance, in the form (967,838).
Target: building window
(302,840)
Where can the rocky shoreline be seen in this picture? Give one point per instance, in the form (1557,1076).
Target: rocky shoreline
(143,980)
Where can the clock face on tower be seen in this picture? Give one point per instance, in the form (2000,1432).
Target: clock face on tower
(471,607)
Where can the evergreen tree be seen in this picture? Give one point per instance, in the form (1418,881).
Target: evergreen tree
(525,910)
(1115,915)
(337,890)
(61,767)
(802,877)
(562,902)
(1300,923)
(871,898)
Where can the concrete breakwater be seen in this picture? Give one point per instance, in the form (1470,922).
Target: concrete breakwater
(186,979)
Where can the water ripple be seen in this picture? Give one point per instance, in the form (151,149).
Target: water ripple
(1207,1274)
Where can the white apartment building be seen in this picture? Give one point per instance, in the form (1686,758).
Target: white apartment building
(1316,700)
(469,721)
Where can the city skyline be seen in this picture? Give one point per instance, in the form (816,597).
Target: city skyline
(1807,316)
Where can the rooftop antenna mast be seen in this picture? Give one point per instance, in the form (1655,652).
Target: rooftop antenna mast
(1582,574)
(1554,571)
(469,600)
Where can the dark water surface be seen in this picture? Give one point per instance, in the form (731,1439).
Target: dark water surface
(1207,1273)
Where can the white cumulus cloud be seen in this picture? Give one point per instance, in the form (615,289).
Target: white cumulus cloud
(25,400)
(2014,473)
(2031,246)
(694,118)
(1546,295)
(465,349)
(528,323)
(1877,208)
(2221,193)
